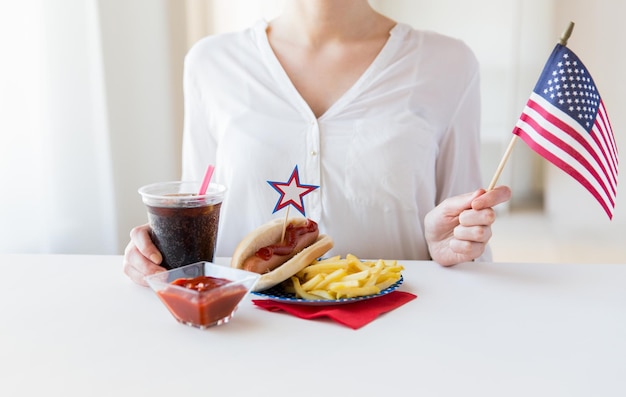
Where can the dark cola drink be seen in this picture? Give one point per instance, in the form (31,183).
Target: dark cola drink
(184,235)
(184,225)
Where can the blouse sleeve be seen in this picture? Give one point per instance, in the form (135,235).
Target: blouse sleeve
(458,163)
(198,148)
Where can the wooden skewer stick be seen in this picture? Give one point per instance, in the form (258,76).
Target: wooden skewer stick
(282,237)
(563,41)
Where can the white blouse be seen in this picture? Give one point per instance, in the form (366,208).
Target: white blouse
(400,140)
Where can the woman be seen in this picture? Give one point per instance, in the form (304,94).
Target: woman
(382,117)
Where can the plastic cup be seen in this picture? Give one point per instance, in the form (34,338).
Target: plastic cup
(184,224)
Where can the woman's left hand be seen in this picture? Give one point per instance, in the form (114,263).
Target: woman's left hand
(459,228)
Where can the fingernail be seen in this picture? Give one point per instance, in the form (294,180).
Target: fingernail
(156,258)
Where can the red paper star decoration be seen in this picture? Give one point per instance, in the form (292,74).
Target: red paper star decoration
(292,192)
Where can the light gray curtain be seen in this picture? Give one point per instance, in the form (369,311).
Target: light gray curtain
(56,170)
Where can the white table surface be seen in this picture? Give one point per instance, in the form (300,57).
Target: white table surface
(76,326)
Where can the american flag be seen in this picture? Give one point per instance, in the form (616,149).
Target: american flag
(565,122)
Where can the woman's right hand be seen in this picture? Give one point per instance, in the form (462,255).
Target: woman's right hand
(141,256)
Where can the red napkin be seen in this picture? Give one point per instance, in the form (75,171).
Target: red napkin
(354,315)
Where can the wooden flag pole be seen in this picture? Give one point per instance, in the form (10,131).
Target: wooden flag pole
(505,157)
(563,41)
(566,34)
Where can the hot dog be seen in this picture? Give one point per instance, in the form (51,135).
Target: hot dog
(263,252)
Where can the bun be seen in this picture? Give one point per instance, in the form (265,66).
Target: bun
(269,234)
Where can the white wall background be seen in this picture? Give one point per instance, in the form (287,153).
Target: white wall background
(143,103)
(117,86)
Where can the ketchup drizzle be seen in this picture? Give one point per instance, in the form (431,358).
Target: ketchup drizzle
(289,244)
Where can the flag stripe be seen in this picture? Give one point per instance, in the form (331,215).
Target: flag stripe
(552,130)
(603,138)
(546,147)
(521,132)
(603,125)
(539,140)
(598,137)
(589,150)
(531,132)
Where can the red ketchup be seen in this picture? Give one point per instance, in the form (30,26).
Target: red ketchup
(292,233)
(204,304)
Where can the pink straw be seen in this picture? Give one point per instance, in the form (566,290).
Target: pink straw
(207,179)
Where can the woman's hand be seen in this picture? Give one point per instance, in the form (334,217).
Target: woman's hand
(141,256)
(459,228)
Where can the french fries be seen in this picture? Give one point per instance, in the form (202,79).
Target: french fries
(336,278)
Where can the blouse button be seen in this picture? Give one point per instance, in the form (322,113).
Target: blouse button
(313,153)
